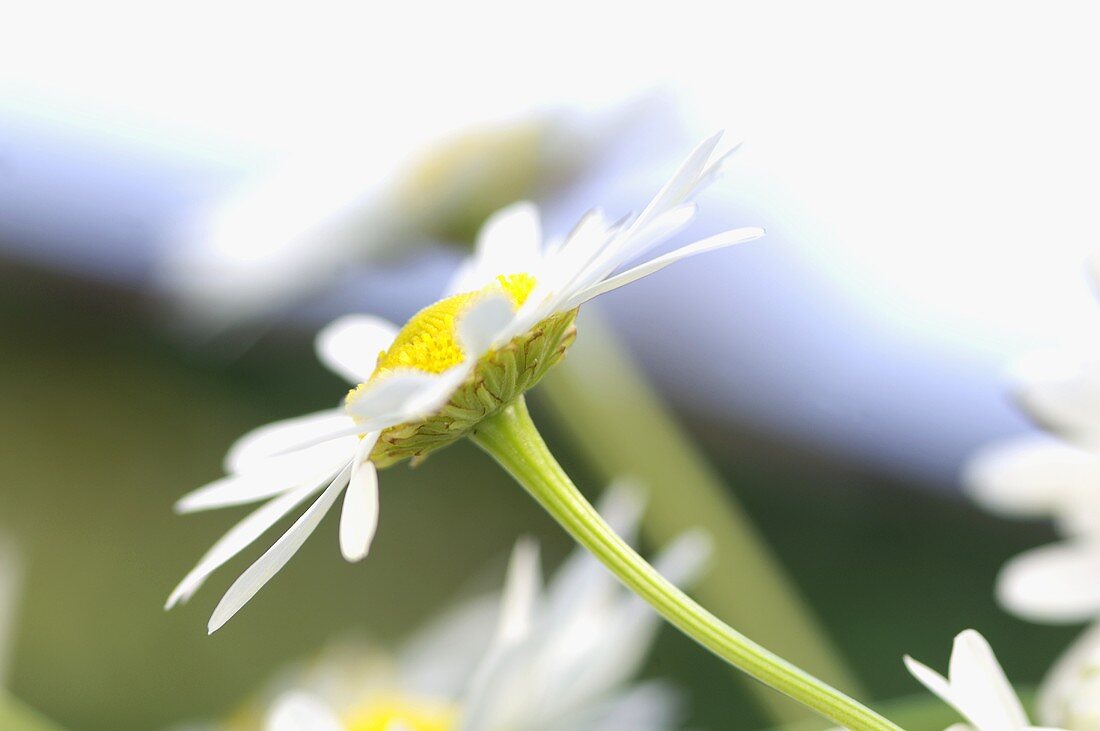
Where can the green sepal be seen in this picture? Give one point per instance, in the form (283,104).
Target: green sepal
(499,378)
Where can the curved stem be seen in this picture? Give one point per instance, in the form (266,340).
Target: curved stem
(511,438)
(606,408)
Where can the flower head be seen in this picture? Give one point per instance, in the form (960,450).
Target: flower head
(531,658)
(976,686)
(507,319)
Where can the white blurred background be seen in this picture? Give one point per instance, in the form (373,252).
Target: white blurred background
(927,176)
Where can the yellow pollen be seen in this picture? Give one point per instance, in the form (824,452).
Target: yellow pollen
(383,714)
(428,341)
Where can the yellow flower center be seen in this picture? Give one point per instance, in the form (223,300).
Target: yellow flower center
(386,713)
(429,343)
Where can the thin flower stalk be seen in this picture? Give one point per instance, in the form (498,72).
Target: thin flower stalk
(511,438)
(587,393)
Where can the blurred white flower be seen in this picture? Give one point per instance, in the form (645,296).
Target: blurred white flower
(1069,695)
(294,232)
(976,687)
(428,384)
(558,658)
(1057,478)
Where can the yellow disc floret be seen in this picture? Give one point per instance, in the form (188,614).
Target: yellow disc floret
(429,343)
(384,714)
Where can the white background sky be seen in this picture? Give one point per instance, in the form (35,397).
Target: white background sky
(928,175)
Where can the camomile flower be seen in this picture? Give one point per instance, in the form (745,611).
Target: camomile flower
(976,687)
(431,382)
(559,657)
(1050,476)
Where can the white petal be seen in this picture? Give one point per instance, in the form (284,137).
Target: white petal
(405,395)
(683,560)
(359,519)
(587,234)
(500,686)
(272,477)
(440,658)
(1061,390)
(350,346)
(483,322)
(1055,583)
(930,679)
(716,168)
(621,505)
(236,540)
(438,393)
(298,711)
(683,181)
(1037,476)
(984,695)
(582,581)
(508,243)
(279,437)
(584,269)
(509,240)
(729,238)
(259,573)
(499,694)
(645,706)
(636,242)
(234,490)
(521,593)
(624,631)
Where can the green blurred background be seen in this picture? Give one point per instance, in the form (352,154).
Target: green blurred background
(107,421)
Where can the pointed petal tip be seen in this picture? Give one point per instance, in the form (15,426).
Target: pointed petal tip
(180,595)
(217,621)
(526,549)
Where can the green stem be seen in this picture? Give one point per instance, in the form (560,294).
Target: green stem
(606,407)
(511,438)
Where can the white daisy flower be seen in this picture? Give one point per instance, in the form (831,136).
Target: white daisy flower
(976,687)
(558,658)
(430,383)
(1049,477)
